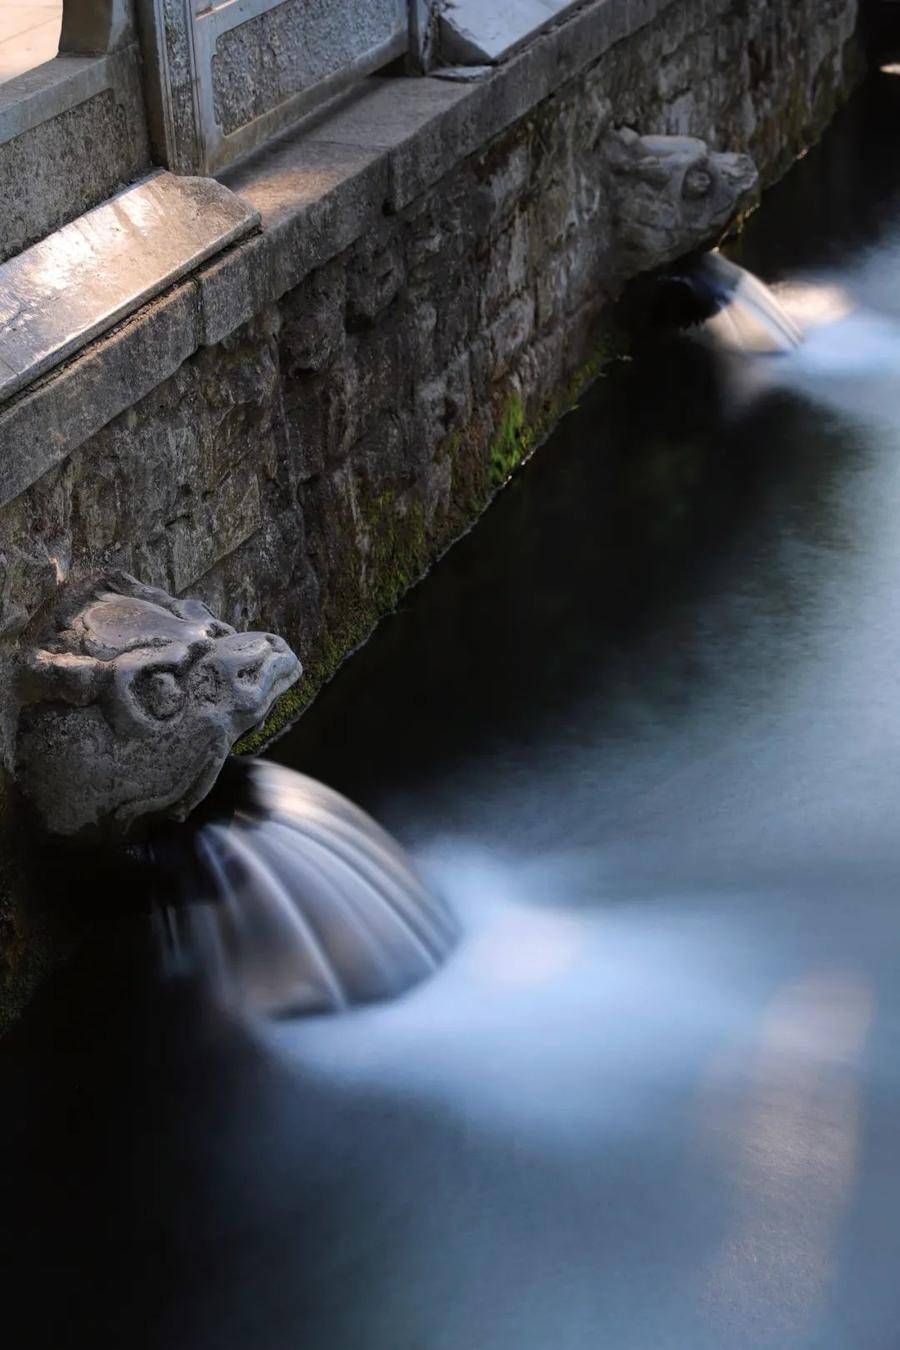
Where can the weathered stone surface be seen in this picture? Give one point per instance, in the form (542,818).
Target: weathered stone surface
(60,293)
(472,32)
(268,59)
(410,125)
(96,25)
(314,200)
(131,702)
(39,428)
(390,146)
(307,466)
(388,432)
(233,289)
(71,134)
(671,195)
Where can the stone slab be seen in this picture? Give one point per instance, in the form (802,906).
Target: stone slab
(385,113)
(233,288)
(393,119)
(472,33)
(52,89)
(314,199)
(58,295)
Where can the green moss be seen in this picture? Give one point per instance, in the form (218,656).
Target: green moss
(398,552)
(284,712)
(512,444)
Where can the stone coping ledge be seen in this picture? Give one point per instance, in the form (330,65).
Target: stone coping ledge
(316,191)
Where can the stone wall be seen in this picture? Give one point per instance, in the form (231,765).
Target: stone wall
(301,474)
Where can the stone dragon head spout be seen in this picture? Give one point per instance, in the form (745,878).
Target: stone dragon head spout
(131,702)
(672,195)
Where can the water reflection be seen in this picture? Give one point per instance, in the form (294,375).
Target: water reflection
(790,1146)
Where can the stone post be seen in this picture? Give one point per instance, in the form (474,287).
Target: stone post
(94,27)
(422,35)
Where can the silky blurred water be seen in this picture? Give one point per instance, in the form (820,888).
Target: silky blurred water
(641,730)
(283,899)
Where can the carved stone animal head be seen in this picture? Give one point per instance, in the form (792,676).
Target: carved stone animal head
(131,703)
(672,195)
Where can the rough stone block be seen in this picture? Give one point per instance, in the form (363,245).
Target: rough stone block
(40,428)
(323,418)
(509,333)
(222,520)
(374,276)
(233,289)
(508,271)
(313,333)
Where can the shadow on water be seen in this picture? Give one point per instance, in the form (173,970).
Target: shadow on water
(642,730)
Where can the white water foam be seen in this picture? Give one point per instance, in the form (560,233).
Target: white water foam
(835,338)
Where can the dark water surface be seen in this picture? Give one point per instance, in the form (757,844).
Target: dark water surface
(642,729)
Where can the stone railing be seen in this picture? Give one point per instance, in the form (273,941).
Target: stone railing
(194,85)
(225,75)
(190,85)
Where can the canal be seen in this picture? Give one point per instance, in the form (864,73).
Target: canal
(641,730)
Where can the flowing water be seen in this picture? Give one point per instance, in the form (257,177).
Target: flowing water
(642,731)
(284,899)
(738,310)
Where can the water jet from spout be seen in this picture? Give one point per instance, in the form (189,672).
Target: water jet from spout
(734,306)
(287,900)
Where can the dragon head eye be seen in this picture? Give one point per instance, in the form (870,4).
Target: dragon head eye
(160,694)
